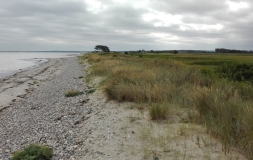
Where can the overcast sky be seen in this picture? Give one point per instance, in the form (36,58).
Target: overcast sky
(125,24)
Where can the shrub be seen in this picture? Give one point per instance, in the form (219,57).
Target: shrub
(237,72)
(72,93)
(34,152)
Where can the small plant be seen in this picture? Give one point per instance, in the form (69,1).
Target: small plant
(80,77)
(91,90)
(72,93)
(34,152)
(182,130)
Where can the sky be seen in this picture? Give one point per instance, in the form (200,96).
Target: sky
(37,25)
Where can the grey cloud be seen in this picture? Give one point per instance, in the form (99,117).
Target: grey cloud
(69,25)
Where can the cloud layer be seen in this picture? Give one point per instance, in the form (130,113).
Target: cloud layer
(125,24)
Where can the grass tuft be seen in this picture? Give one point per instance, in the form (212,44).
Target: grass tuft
(34,152)
(159,111)
(72,93)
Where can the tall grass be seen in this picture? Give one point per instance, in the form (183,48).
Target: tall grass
(224,107)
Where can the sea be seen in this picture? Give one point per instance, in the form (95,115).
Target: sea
(13,62)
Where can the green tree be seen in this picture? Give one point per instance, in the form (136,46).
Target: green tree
(102,48)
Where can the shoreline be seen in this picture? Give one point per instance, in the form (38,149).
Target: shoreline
(35,110)
(18,85)
(27,61)
(13,73)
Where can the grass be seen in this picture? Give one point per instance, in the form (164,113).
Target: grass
(193,81)
(159,111)
(72,93)
(91,91)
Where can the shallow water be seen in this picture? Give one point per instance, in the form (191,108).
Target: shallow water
(13,62)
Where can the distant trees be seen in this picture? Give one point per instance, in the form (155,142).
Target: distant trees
(102,48)
(223,50)
(175,52)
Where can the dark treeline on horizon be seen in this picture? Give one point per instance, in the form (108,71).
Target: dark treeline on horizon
(169,51)
(223,50)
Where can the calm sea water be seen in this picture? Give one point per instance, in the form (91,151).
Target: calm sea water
(13,62)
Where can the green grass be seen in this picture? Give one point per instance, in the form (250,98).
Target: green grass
(72,93)
(193,81)
(34,152)
(92,90)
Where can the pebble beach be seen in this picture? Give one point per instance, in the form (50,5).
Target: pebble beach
(42,114)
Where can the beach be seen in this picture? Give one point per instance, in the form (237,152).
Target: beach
(34,109)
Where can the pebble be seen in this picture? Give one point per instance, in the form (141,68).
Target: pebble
(46,116)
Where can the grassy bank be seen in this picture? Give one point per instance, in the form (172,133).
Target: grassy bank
(195,83)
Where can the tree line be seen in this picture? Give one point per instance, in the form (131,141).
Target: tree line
(223,50)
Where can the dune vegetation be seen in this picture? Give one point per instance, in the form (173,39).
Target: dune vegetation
(215,90)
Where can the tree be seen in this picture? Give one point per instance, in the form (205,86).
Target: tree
(102,48)
(175,52)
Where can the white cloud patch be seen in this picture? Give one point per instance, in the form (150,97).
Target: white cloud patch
(95,6)
(162,19)
(198,27)
(235,6)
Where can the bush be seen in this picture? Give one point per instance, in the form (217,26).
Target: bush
(34,152)
(237,72)
(72,93)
